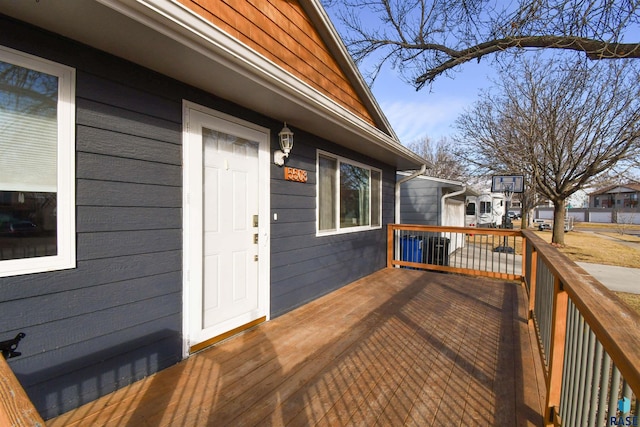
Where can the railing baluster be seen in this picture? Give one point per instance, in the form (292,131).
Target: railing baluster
(596,373)
(614,393)
(626,391)
(568,377)
(604,389)
(588,369)
(575,365)
(543,309)
(582,361)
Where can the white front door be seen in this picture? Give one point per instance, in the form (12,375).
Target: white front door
(226,224)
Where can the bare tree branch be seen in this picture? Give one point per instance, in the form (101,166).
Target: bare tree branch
(425,38)
(560,124)
(594,49)
(440,154)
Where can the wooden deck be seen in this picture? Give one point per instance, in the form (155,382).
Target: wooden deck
(399,347)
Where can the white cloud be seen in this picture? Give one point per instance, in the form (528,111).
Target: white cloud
(414,120)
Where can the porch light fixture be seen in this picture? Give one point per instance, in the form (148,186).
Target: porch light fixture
(286,144)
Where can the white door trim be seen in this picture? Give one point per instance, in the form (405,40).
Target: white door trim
(192,213)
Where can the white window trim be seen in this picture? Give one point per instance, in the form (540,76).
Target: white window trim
(66,220)
(338,230)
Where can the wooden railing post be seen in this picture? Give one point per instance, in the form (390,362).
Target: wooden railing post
(15,407)
(556,350)
(532,282)
(390,245)
(524,255)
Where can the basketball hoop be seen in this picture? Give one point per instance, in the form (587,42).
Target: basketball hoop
(507,185)
(507,190)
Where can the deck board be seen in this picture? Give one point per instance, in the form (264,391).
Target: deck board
(399,347)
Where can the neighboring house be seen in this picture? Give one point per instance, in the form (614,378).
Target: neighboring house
(151,127)
(426,200)
(619,196)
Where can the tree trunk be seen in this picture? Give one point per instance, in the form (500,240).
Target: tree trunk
(524,219)
(558,222)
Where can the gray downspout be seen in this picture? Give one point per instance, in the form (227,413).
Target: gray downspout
(399,183)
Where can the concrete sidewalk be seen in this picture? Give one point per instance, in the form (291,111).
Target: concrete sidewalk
(620,279)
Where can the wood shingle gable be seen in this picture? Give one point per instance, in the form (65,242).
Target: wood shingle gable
(283,32)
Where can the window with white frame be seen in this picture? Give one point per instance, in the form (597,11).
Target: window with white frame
(349,195)
(37,167)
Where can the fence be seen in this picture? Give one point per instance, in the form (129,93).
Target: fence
(595,215)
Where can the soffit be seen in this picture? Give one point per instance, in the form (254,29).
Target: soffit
(167,38)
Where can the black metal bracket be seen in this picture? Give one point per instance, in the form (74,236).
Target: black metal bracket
(9,347)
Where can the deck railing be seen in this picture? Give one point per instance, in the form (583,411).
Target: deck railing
(473,251)
(15,407)
(589,341)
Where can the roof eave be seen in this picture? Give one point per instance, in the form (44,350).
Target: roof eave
(164,36)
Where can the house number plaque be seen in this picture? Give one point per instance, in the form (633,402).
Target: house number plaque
(297,175)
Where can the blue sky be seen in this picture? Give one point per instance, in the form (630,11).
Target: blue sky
(433,110)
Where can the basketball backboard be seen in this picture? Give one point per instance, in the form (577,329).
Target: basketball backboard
(507,183)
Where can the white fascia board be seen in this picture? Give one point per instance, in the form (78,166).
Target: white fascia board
(177,22)
(432,178)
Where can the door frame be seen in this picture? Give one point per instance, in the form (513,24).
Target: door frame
(192,214)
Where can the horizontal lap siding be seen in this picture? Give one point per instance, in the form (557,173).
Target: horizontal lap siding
(283,33)
(305,266)
(420,202)
(117,317)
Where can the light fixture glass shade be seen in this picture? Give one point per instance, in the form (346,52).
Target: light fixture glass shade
(286,139)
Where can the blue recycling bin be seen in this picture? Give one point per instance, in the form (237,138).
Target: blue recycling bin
(411,248)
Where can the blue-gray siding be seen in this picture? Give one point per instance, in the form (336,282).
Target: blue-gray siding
(117,317)
(303,266)
(420,202)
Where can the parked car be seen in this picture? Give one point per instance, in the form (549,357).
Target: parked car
(17,227)
(544,227)
(513,215)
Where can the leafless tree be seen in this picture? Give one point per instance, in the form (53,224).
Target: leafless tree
(425,38)
(562,124)
(440,153)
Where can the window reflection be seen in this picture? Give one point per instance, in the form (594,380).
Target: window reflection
(354,196)
(27,224)
(28,162)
